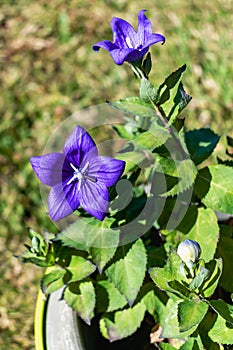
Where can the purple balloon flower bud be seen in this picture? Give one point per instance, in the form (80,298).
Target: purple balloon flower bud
(78,176)
(129,45)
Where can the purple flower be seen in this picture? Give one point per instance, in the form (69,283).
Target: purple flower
(78,176)
(129,45)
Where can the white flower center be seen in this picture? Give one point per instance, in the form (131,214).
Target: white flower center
(80,174)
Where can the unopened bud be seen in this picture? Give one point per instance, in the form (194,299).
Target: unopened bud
(189,251)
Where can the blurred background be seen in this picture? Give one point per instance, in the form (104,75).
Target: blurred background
(48,71)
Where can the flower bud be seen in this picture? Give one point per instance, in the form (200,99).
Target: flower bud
(189,251)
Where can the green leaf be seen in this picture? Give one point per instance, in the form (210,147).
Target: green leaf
(199,279)
(110,299)
(180,100)
(215,268)
(205,232)
(154,302)
(170,272)
(147,64)
(170,324)
(221,332)
(53,280)
(101,256)
(193,343)
(80,268)
(124,323)
(90,232)
(201,143)
(128,273)
(81,298)
(166,346)
(133,159)
(223,309)
(186,172)
(147,91)
(218,181)
(134,106)
(168,84)
(224,250)
(190,313)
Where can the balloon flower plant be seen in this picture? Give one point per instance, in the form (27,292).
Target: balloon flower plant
(150,240)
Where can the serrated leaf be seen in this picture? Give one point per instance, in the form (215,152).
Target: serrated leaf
(193,343)
(110,299)
(101,256)
(190,313)
(215,268)
(154,303)
(90,232)
(134,106)
(199,278)
(221,332)
(170,323)
(205,232)
(184,171)
(147,91)
(124,324)
(80,268)
(168,84)
(53,280)
(201,143)
(224,250)
(161,276)
(223,309)
(133,159)
(180,101)
(156,136)
(127,274)
(81,298)
(218,180)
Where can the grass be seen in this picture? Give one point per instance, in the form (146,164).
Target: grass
(49,71)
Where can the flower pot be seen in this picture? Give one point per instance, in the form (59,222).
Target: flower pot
(57,327)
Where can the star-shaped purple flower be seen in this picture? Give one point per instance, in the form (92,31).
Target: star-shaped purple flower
(129,45)
(78,176)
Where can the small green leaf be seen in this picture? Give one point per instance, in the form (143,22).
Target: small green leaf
(101,256)
(110,299)
(147,64)
(190,313)
(147,91)
(168,84)
(81,297)
(193,343)
(80,268)
(224,250)
(222,331)
(223,309)
(133,159)
(90,232)
(127,274)
(201,143)
(199,279)
(124,323)
(217,180)
(53,280)
(169,321)
(134,106)
(215,268)
(166,346)
(180,100)
(205,232)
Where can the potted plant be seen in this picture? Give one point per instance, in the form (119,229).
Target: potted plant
(146,258)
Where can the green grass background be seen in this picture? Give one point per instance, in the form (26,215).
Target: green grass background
(48,71)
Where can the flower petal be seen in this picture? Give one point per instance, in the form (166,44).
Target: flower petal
(129,55)
(105,44)
(94,198)
(62,201)
(48,168)
(144,27)
(121,31)
(78,144)
(153,39)
(105,169)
